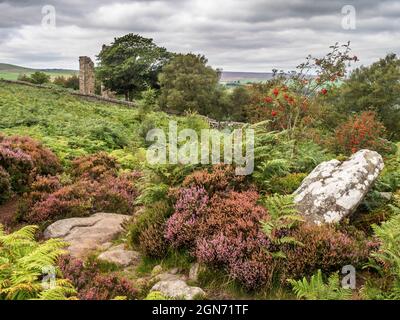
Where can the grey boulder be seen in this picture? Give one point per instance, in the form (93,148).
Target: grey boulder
(86,234)
(334,189)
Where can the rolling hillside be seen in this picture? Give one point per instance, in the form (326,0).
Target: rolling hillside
(11,72)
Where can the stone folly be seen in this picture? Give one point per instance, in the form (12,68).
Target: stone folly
(86,76)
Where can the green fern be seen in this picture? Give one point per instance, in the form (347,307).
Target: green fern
(386,261)
(317,289)
(22,261)
(283,215)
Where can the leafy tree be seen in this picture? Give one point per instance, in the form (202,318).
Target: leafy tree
(375,88)
(131,64)
(238,100)
(40,77)
(187,83)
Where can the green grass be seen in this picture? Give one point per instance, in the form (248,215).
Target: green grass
(11,72)
(72,126)
(14,75)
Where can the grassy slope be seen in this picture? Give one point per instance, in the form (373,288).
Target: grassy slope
(11,72)
(68,125)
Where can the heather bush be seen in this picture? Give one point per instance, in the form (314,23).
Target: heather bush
(24,158)
(5,185)
(147,228)
(94,166)
(324,248)
(224,231)
(93,285)
(219,178)
(49,200)
(191,206)
(152,242)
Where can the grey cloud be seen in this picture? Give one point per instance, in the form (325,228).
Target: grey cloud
(254,35)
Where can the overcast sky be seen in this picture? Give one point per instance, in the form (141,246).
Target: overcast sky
(236,35)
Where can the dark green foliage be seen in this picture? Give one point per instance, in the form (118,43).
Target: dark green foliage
(147,229)
(5,185)
(187,83)
(131,64)
(40,77)
(376,88)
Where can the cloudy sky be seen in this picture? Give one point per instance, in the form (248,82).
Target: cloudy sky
(236,35)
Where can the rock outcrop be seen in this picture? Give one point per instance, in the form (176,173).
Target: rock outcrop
(86,234)
(120,256)
(176,288)
(334,189)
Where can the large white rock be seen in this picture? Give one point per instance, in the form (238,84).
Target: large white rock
(334,189)
(86,234)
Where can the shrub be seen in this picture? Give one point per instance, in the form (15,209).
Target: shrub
(24,77)
(113,194)
(361,131)
(91,284)
(182,228)
(5,185)
(72,82)
(287,184)
(324,248)
(24,158)
(154,214)
(40,77)
(220,178)
(95,166)
(223,231)
(152,242)
(22,263)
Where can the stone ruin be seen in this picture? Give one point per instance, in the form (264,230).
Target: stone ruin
(86,75)
(87,79)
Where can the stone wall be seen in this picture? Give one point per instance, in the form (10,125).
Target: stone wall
(86,75)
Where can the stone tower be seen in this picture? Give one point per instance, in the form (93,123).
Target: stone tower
(86,75)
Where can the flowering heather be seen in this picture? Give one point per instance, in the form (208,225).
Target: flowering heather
(91,284)
(95,166)
(223,231)
(50,200)
(191,205)
(221,178)
(24,158)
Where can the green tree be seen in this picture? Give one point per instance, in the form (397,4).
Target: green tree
(375,88)
(187,83)
(238,101)
(40,77)
(131,64)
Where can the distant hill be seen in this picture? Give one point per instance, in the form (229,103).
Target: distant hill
(5,67)
(229,76)
(11,72)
